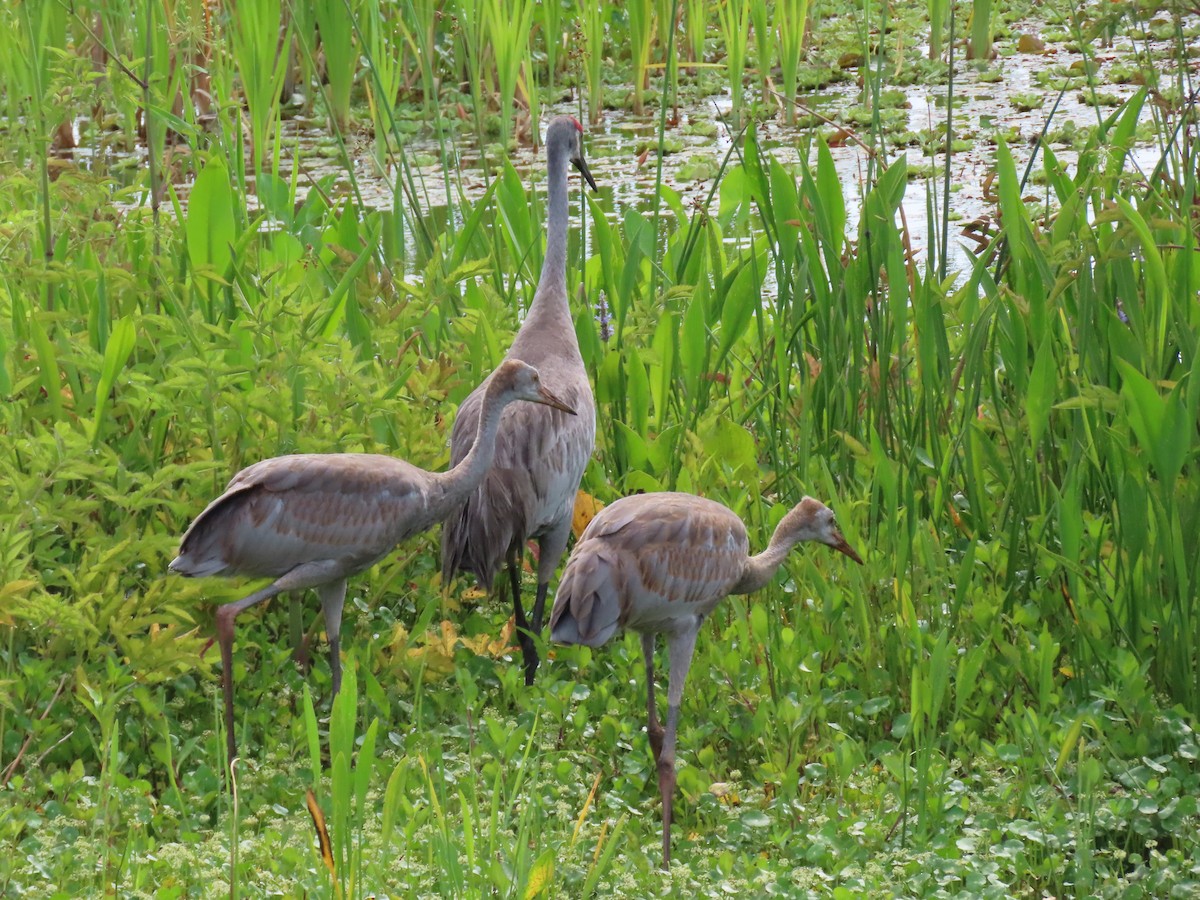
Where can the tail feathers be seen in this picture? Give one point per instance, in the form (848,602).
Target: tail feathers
(184,564)
(204,549)
(587,608)
(477,538)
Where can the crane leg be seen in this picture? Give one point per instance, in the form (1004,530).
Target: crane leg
(225,616)
(333,598)
(524,638)
(679,647)
(551,547)
(653,729)
(299,638)
(299,578)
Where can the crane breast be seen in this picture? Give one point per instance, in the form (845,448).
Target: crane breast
(540,457)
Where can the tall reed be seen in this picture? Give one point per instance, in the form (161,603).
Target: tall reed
(335,20)
(422,22)
(981,30)
(791,23)
(695,22)
(734,17)
(550,22)
(255,31)
(384,51)
(40,31)
(472,19)
(640,19)
(508,25)
(593,20)
(763,50)
(939,12)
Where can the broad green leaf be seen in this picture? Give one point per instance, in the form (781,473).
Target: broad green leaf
(638,455)
(833,202)
(47,365)
(211,224)
(1120,139)
(732,445)
(512,203)
(1160,424)
(391,800)
(364,768)
(541,876)
(1069,742)
(1155,297)
(638,389)
(1040,394)
(693,343)
(662,380)
(741,300)
(314,739)
(116,354)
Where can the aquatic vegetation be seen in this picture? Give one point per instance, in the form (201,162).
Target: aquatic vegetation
(1002,701)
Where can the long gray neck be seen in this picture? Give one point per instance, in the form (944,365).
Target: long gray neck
(461,480)
(761,568)
(550,312)
(554,266)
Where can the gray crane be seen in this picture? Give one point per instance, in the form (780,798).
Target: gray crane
(661,563)
(529,492)
(314,520)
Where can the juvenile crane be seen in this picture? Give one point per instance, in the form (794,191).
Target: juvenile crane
(529,492)
(314,520)
(661,563)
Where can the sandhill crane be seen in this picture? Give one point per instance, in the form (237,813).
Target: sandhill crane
(661,563)
(314,520)
(540,455)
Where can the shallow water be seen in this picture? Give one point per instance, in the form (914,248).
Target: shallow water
(983,108)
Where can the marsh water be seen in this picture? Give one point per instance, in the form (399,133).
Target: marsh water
(703,136)
(1032,88)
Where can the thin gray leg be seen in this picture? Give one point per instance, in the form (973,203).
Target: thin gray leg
(653,729)
(298,635)
(299,578)
(333,598)
(679,648)
(551,547)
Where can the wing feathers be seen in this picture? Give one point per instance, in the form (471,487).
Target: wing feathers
(282,512)
(649,562)
(587,606)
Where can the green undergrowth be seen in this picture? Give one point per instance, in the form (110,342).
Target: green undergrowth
(999,702)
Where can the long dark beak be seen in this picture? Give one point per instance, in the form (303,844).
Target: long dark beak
(842,546)
(550,400)
(581,164)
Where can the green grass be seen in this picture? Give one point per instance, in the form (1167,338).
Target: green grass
(1001,701)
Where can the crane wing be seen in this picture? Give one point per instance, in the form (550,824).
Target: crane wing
(281,512)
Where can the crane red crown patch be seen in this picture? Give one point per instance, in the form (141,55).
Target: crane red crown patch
(578,127)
